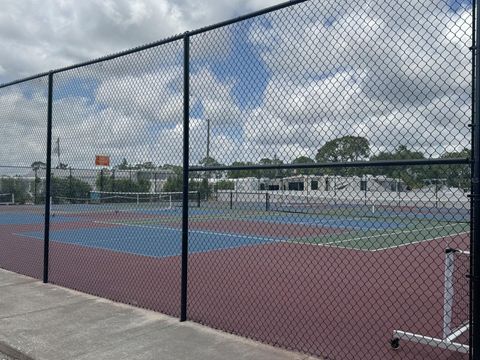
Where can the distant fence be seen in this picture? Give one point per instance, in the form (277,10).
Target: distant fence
(332,92)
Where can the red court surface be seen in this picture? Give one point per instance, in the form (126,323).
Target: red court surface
(326,301)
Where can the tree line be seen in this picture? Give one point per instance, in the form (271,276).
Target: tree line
(342,149)
(352,148)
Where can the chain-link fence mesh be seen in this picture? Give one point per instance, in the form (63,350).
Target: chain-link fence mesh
(128,109)
(23,125)
(334,262)
(329,178)
(331,271)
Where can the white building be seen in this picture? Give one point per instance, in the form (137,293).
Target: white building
(323,183)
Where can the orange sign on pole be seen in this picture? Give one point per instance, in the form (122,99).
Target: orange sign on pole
(102,160)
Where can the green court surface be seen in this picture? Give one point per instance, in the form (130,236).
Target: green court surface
(371,233)
(383,239)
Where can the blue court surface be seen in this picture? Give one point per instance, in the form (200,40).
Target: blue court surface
(150,241)
(20,219)
(331,222)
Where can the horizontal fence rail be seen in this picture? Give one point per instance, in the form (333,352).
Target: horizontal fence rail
(352,164)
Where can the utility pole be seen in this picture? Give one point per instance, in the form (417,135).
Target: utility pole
(56,150)
(208,140)
(207,159)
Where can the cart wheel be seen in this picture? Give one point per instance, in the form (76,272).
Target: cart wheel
(395,343)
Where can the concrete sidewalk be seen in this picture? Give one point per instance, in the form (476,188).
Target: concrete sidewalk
(39,321)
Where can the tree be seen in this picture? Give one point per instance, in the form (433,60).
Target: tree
(400,153)
(209,161)
(173,184)
(123,165)
(304,160)
(272,173)
(344,149)
(107,183)
(413,176)
(237,174)
(38,165)
(178,170)
(347,148)
(225,185)
(175,181)
(69,189)
(16,186)
(146,165)
(457,175)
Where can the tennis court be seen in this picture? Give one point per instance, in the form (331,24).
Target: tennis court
(331,154)
(119,241)
(153,229)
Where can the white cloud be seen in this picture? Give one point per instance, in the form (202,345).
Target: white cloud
(36,36)
(396,73)
(393,73)
(23,125)
(148,95)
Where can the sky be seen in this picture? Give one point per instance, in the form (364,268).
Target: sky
(279,85)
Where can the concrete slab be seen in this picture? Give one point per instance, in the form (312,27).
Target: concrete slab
(49,322)
(8,278)
(190,341)
(29,297)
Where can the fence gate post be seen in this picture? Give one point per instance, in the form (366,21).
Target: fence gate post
(475,211)
(46,237)
(186,144)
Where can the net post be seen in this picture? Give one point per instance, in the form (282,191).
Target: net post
(198,199)
(231,200)
(48,176)
(13,198)
(267,201)
(448,294)
(35,187)
(186,145)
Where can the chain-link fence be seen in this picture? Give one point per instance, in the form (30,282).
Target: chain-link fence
(301,176)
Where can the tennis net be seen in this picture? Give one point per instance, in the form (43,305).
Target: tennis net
(7,199)
(369,205)
(456,292)
(456,307)
(162,199)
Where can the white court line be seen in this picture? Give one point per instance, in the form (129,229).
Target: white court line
(107,211)
(328,244)
(28,236)
(192,231)
(292,241)
(420,241)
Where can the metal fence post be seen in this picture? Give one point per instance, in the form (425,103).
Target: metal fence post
(475,211)
(186,144)
(48,176)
